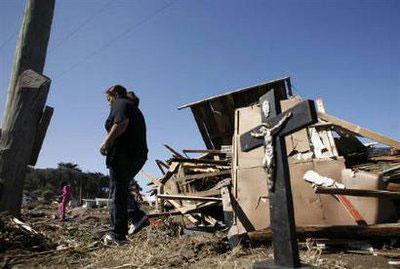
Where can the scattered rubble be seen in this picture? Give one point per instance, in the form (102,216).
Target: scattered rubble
(226,186)
(77,244)
(212,206)
(17,235)
(192,185)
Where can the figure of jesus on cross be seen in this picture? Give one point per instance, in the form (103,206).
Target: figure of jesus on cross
(266,131)
(275,126)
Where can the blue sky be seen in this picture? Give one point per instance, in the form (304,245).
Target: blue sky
(177,51)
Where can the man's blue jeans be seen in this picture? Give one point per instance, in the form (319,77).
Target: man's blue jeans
(120,177)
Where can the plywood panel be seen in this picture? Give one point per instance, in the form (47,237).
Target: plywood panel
(248,118)
(309,208)
(252,211)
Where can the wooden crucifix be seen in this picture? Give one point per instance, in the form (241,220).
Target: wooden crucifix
(271,134)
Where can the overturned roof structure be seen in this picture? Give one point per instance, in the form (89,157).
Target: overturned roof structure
(215,115)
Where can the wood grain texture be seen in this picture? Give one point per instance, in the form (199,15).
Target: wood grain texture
(18,137)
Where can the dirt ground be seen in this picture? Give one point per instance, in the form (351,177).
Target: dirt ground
(77,244)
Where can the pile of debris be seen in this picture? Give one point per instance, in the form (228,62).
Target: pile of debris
(17,235)
(160,245)
(192,186)
(226,183)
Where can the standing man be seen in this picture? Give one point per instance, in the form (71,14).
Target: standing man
(125,148)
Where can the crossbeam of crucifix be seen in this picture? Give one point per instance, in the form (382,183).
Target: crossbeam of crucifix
(270,134)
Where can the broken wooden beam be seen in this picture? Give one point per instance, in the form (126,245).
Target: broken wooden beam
(189,160)
(357,130)
(172,169)
(210,151)
(152,179)
(206,193)
(174,152)
(204,175)
(160,165)
(227,206)
(182,211)
(358,192)
(189,198)
(23,225)
(162,214)
(377,231)
(206,167)
(223,183)
(351,209)
(387,254)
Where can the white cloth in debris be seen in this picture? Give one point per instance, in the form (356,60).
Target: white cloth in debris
(318,180)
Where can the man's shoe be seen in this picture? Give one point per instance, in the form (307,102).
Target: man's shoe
(109,240)
(140,224)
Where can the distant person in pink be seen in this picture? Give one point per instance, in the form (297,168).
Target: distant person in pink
(65,198)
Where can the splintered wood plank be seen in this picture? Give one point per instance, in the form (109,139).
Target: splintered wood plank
(174,152)
(206,193)
(326,135)
(160,165)
(205,161)
(183,211)
(227,206)
(153,180)
(177,205)
(351,209)
(376,231)
(358,130)
(188,197)
(214,151)
(358,192)
(204,175)
(187,210)
(172,169)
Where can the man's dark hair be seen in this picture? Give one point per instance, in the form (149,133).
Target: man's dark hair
(117,90)
(132,96)
(63,184)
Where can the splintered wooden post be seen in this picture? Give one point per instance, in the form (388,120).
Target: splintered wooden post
(19,135)
(30,52)
(41,133)
(282,222)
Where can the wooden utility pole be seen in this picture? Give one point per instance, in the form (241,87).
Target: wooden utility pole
(31,49)
(24,120)
(18,137)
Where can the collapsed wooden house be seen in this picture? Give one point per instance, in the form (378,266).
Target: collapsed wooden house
(192,186)
(336,179)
